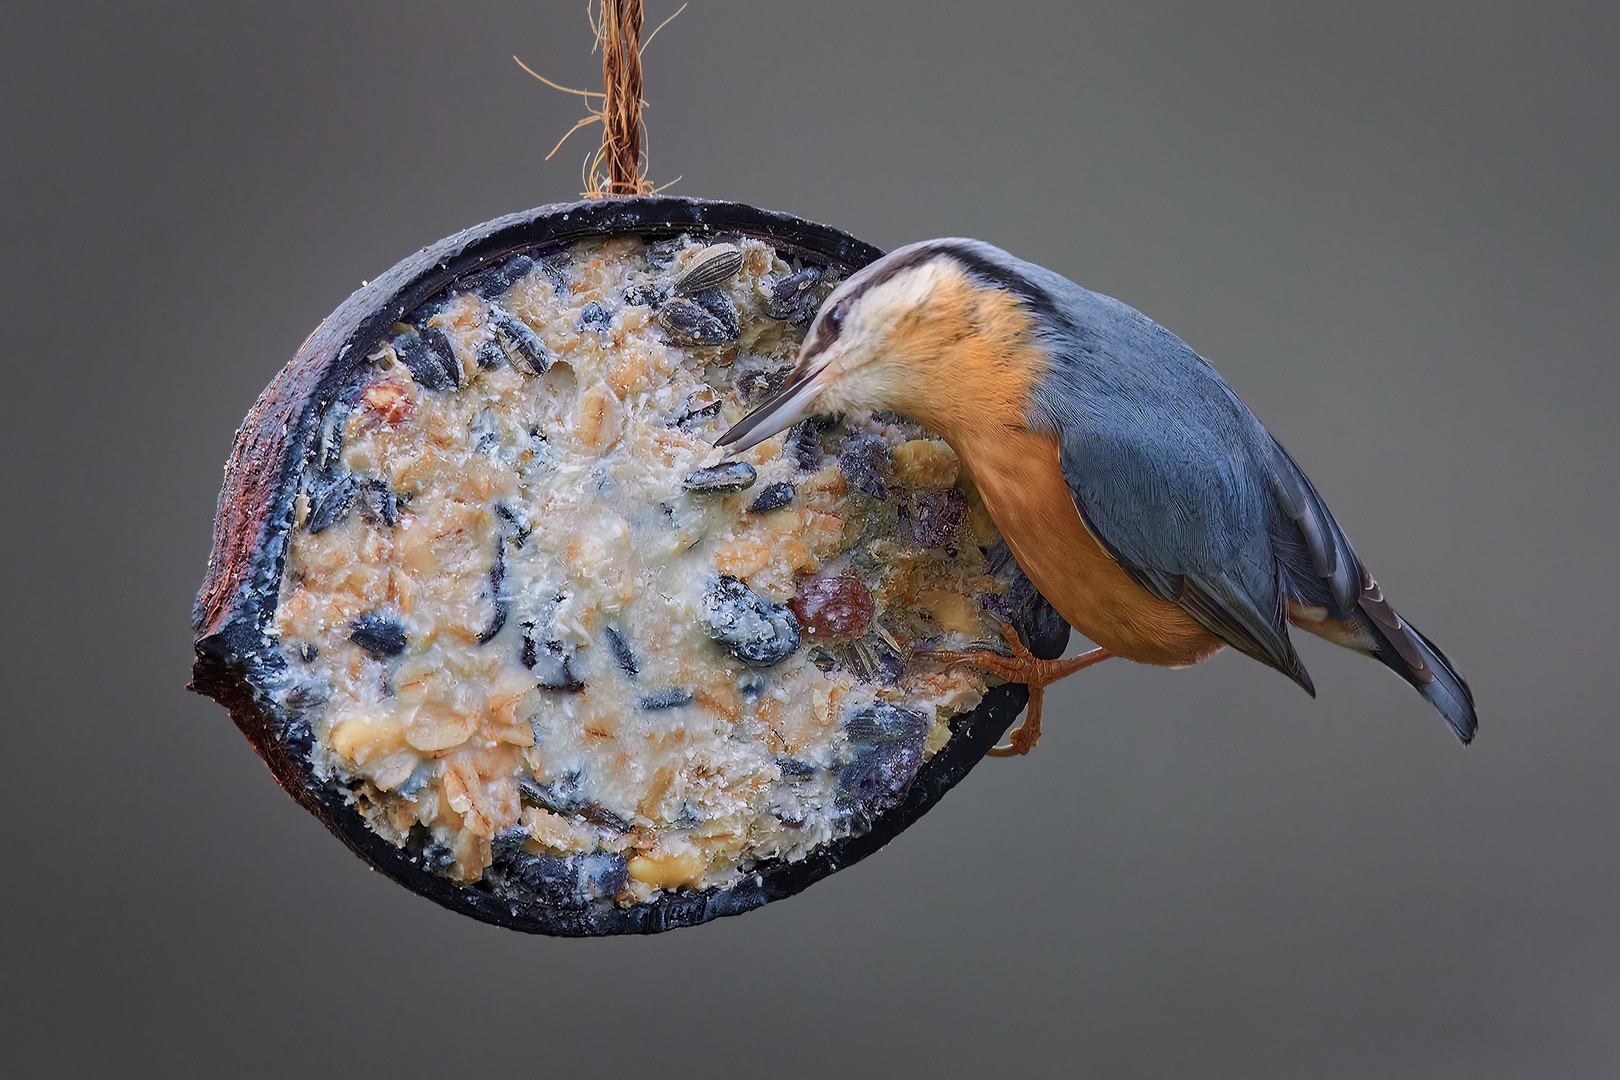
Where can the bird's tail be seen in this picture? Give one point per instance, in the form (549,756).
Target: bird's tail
(1417,660)
(1374,628)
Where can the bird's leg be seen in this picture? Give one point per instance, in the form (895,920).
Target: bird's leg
(1027,668)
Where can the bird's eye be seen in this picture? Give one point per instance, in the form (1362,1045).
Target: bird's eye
(834,320)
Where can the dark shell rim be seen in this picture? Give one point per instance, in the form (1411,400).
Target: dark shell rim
(236,662)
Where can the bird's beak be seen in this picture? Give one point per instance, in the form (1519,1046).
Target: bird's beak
(794,403)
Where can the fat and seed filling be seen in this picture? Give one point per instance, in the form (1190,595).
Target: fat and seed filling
(550,644)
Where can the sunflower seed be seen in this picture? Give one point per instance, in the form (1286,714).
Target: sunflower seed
(794,297)
(711,266)
(645,295)
(551,661)
(885,723)
(556,881)
(500,606)
(560,796)
(556,266)
(603,818)
(526,351)
(661,253)
(331,442)
(378,635)
(793,769)
(695,413)
(933,519)
(491,355)
(888,745)
(877,779)
(693,323)
(379,504)
(330,497)
(804,443)
(718,304)
(438,342)
(865,461)
(773,497)
(421,360)
(721,479)
(594,316)
(493,284)
(622,653)
(753,629)
(672,698)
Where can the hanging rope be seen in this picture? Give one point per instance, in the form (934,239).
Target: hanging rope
(619,32)
(617,26)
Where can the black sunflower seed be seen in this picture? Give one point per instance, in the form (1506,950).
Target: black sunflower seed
(526,351)
(645,295)
(560,796)
(877,779)
(933,519)
(804,444)
(718,304)
(594,316)
(721,479)
(661,253)
(886,723)
(517,527)
(671,698)
(421,360)
(865,462)
(753,629)
(693,415)
(553,880)
(556,266)
(794,769)
(438,342)
(623,655)
(491,355)
(794,297)
(378,635)
(500,605)
(692,323)
(603,818)
(330,497)
(774,497)
(379,504)
(496,283)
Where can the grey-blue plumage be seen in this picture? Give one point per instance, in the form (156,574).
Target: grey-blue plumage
(1184,487)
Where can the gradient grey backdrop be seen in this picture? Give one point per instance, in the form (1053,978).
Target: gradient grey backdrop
(1393,226)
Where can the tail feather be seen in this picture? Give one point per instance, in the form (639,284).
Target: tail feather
(1437,680)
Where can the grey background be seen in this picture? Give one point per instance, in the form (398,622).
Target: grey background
(1391,225)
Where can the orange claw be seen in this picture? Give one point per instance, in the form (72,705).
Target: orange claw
(1029,669)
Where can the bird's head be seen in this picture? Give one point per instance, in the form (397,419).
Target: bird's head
(935,331)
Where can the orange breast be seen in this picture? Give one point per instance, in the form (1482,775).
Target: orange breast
(1020,478)
(969,369)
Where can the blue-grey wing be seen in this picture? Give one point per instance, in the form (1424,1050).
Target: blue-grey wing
(1185,489)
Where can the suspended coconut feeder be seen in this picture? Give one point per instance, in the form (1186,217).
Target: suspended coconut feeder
(489,604)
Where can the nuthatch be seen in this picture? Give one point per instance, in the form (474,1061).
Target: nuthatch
(1138,493)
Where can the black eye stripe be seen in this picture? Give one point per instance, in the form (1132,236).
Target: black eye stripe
(989,274)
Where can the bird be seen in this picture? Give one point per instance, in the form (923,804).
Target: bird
(1140,496)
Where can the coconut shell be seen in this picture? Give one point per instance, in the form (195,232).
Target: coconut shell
(238,662)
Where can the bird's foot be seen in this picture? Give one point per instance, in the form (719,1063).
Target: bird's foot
(1024,667)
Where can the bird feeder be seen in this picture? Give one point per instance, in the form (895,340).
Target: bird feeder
(488,604)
